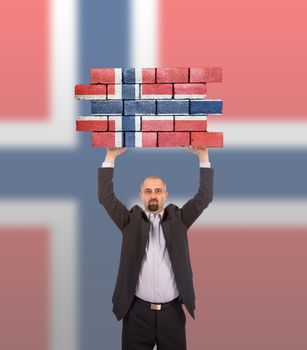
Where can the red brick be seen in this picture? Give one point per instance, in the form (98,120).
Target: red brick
(207,139)
(90,91)
(156,90)
(190,90)
(149,139)
(173,139)
(148,75)
(157,123)
(106,75)
(107,139)
(92,124)
(190,123)
(173,75)
(206,75)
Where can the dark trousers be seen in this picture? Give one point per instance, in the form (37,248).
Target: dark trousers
(144,327)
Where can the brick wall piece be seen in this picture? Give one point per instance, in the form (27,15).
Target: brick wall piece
(173,75)
(88,92)
(192,91)
(206,75)
(145,75)
(140,139)
(172,107)
(207,139)
(106,75)
(173,139)
(139,107)
(157,123)
(92,124)
(107,139)
(206,107)
(156,91)
(106,107)
(190,123)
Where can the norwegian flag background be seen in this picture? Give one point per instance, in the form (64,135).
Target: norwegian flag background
(59,249)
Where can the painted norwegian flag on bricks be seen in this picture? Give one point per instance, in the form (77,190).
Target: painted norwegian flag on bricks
(150,107)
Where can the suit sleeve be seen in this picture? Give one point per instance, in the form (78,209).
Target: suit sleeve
(193,208)
(114,207)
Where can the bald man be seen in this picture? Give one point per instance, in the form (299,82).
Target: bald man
(155,275)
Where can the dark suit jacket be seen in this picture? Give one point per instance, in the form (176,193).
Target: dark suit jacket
(135,225)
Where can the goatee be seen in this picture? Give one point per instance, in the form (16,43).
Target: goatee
(153,206)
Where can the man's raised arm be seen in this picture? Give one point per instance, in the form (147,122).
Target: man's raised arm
(193,208)
(114,207)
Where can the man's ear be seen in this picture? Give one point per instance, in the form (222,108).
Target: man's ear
(166,195)
(140,195)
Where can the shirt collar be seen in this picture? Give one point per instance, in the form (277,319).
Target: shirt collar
(148,213)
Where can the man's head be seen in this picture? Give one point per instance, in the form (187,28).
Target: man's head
(153,194)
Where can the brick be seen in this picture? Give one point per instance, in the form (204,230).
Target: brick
(124,123)
(107,107)
(106,75)
(206,75)
(155,91)
(207,139)
(173,75)
(145,75)
(88,92)
(107,139)
(190,123)
(131,91)
(129,75)
(139,107)
(140,139)
(173,107)
(123,91)
(192,91)
(157,123)
(139,75)
(173,139)
(114,91)
(206,107)
(92,124)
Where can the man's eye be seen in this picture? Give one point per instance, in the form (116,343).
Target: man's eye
(158,191)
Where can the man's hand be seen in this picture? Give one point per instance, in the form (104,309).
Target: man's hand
(113,152)
(202,153)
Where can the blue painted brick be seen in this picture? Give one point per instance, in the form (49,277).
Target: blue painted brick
(173,107)
(129,139)
(129,123)
(129,75)
(206,106)
(129,91)
(139,107)
(107,107)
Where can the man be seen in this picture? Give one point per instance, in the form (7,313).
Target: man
(155,275)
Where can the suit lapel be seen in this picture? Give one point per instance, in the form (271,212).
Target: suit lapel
(145,226)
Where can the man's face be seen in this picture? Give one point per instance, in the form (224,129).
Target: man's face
(153,195)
